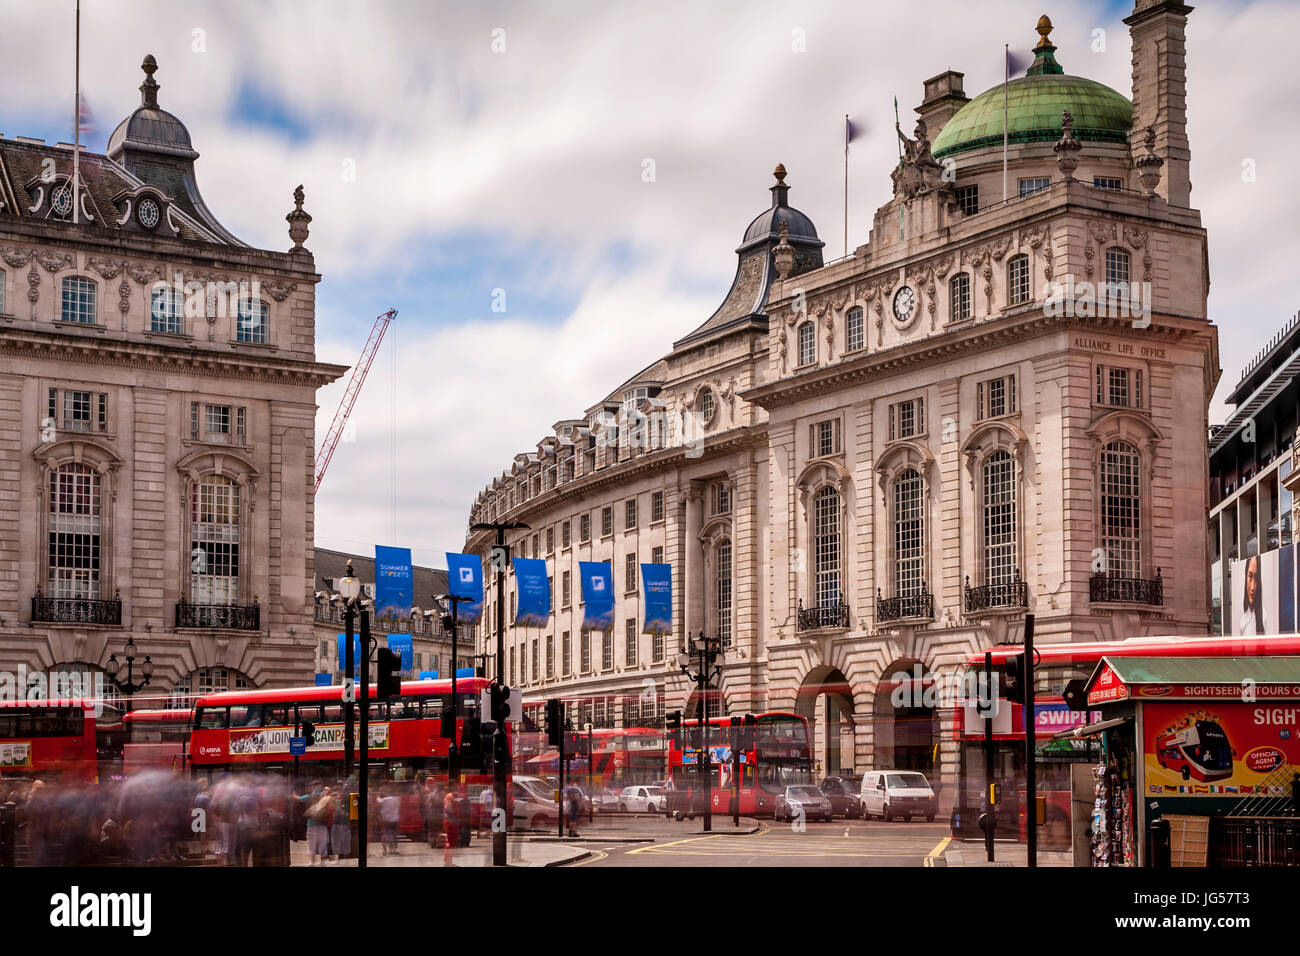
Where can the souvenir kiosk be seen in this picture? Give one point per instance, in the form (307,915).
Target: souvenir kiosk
(1189,736)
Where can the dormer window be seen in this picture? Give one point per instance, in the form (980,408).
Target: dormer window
(61,199)
(148,213)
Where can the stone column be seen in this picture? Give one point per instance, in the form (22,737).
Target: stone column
(1158,30)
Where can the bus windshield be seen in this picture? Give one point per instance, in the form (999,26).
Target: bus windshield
(782,753)
(1213,751)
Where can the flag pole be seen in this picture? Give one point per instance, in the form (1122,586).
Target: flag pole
(1006,80)
(846,185)
(898,130)
(76,125)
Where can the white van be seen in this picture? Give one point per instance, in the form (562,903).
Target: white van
(897,793)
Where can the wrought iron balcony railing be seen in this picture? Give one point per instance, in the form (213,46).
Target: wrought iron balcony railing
(240,617)
(1013,593)
(1130,590)
(900,607)
(51,610)
(831,615)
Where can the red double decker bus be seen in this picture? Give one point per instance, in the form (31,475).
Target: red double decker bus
(72,740)
(1055,666)
(156,739)
(619,758)
(779,755)
(248,730)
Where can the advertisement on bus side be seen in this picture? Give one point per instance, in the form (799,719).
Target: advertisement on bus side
(275,740)
(16,755)
(1220,749)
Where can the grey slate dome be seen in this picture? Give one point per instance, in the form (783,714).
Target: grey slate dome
(151,128)
(768,223)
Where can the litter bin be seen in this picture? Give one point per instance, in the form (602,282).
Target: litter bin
(1158,845)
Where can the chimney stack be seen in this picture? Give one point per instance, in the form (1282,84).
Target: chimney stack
(1158,30)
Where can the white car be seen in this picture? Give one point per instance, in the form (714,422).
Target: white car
(642,800)
(897,793)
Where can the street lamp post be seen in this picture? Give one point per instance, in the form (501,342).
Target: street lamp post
(349,592)
(500,751)
(363,796)
(449,603)
(708,650)
(129,686)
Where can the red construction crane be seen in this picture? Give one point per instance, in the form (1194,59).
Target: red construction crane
(349,399)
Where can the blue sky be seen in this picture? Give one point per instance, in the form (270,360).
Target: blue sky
(439,169)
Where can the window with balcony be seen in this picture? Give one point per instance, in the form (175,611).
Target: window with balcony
(214,541)
(909,533)
(75,530)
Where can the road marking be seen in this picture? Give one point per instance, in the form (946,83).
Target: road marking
(595,857)
(662,846)
(934,854)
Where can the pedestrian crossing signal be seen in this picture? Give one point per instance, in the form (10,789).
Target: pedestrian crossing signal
(309,732)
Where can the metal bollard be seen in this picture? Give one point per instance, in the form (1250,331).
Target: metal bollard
(1159,837)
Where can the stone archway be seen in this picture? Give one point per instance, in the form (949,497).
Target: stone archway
(825,700)
(906,729)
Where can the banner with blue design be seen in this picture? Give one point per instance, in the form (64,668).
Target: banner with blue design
(343,654)
(402,643)
(465,580)
(394,584)
(533,588)
(324,680)
(657,587)
(428,675)
(597,579)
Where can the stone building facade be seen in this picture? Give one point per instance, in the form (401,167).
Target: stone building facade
(157,404)
(866,471)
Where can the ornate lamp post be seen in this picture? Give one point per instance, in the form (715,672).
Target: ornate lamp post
(707,652)
(128,687)
(349,594)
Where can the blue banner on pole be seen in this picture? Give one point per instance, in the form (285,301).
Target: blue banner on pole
(597,595)
(534,590)
(428,675)
(657,586)
(466,672)
(343,654)
(394,584)
(465,580)
(324,680)
(402,644)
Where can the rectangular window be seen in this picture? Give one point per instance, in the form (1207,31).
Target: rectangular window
(584,529)
(217,424)
(566,652)
(959,297)
(214,550)
(907,419)
(535,656)
(78,300)
(632,712)
(606,522)
(167,312)
(565,533)
(968,199)
(1033,185)
(656,555)
(824,438)
(607,650)
(631,640)
(723,593)
(657,506)
(598,713)
(853,337)
(629,515)
(1121,387)
(566,588)
(1105,182)
(74,532)
(536,541)
(250,322)
(550,656)
(721,499)
(629,573)
(584,658)
(1018,280)
(512,665)
(76,411)
(657,649)
(995,397)
(550,540)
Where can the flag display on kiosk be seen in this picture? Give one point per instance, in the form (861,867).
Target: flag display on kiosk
(394,584)
(597,595)
(534,590)
(465,580)
(402,643)
(657,586)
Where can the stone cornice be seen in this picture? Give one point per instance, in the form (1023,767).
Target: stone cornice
(1030,323)
(106,349)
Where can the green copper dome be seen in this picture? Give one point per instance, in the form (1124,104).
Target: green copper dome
(1034,103)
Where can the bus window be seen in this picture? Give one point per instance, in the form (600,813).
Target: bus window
(333,713)
(8,725)
(379,710)
(213,718)
(276,715)
(309,712)
(403,709)
(239,715)
(433,705)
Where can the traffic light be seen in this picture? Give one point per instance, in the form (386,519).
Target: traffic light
(500,703)
(309,732)
(447,723)
(748,732)
(1013,677)
(471,741)
(1076,694)
(390,674)
(554,721)
(673,726)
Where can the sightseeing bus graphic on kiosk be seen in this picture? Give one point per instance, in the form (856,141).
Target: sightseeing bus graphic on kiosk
(1199,750)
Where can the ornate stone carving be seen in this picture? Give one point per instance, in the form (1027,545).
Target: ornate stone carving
(999,248)
(34,288)
(298,221)
(830,336)
(15,257)
(124,300)
(1148,165)
(1101,231)
(108,268)
(142,273)
(279,289)
(1135,237)
(53,262)
(783,254)
(918,172)
(1067,147)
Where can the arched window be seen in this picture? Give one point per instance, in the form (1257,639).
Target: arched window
(207,680)
(1121,509)
(250,322)
(167,311)
(909,533)
(807,344)
(722,592)
(959,297)
(214,541)
(853,338)
(78,300)
(828,591)
(999,481)
(1018,280)
(74,532)
(1117,271)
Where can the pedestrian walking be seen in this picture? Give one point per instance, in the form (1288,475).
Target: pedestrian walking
(320,817)
(341,831)
(390,810)
(451,826)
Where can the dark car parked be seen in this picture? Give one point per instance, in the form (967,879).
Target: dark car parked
(843,795)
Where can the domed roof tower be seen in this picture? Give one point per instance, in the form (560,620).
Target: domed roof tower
(747,299)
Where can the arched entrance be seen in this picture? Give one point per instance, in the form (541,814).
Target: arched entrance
(906,723)
(826,701)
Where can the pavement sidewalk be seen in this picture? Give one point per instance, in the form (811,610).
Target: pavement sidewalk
(520,852)
(971,853)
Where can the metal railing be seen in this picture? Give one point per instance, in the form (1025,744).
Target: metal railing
(899,607)
(831,615)
(50,610)
(985,597)
(1113,587)
(1255,841)
(239,617)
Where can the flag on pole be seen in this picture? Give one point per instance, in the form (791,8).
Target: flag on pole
(85,118)
(850,131)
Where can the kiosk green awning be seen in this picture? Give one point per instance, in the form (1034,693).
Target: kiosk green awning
(1194,678)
